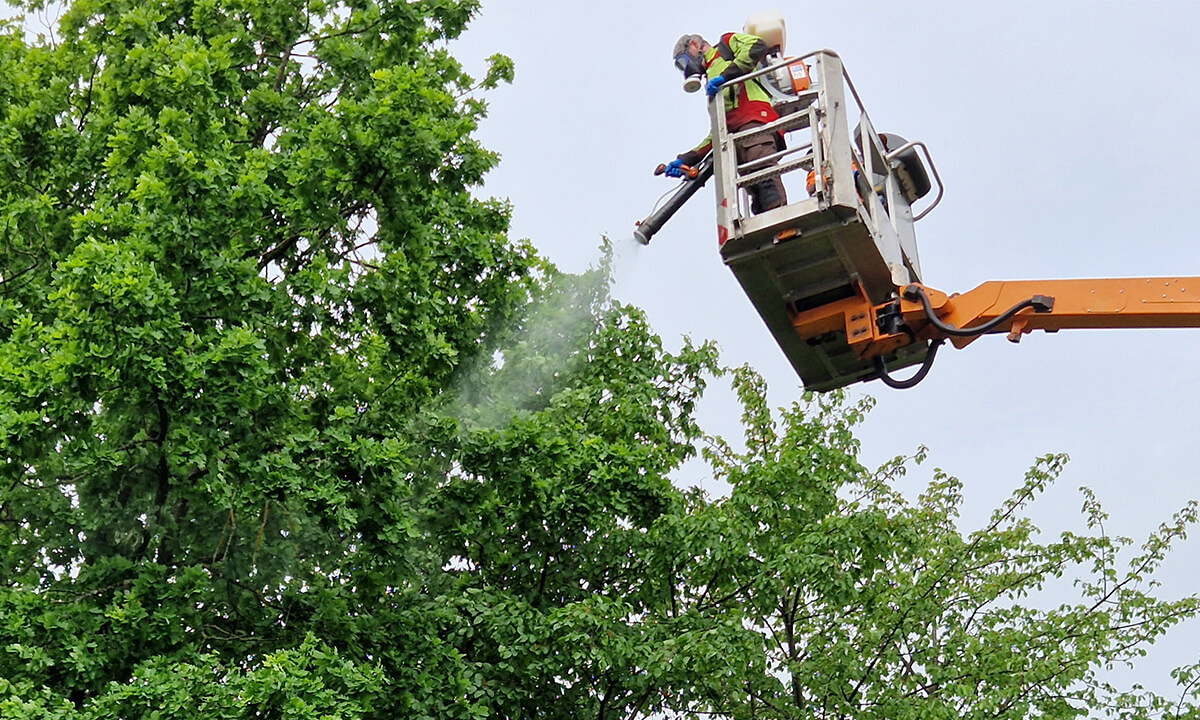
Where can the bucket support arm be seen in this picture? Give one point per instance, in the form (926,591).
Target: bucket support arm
(921,314)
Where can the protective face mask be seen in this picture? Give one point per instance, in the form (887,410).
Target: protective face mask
(693,71)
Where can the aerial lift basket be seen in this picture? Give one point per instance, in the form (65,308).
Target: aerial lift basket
(835,273)
(852,236)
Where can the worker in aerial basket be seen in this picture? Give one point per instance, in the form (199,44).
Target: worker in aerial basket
(746,106)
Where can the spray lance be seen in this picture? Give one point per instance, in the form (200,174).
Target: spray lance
(694,179)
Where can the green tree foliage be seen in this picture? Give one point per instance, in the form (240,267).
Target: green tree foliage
(291,429)
(842,599)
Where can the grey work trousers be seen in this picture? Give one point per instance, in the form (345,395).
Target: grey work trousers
(768,194)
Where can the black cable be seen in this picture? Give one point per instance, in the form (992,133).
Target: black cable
(1039,303)
(881,370)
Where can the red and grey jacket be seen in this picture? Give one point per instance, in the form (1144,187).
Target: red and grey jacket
(735,55)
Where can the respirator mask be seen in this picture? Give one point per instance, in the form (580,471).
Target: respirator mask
(693,71)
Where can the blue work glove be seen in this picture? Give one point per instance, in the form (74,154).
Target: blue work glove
(714,85)
(674,168)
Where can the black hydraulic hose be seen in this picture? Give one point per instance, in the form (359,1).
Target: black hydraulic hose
(881,370)
(1039,303)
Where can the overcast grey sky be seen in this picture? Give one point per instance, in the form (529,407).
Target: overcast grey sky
(1066,133)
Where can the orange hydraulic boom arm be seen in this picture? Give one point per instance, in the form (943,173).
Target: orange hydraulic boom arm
(922,314)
